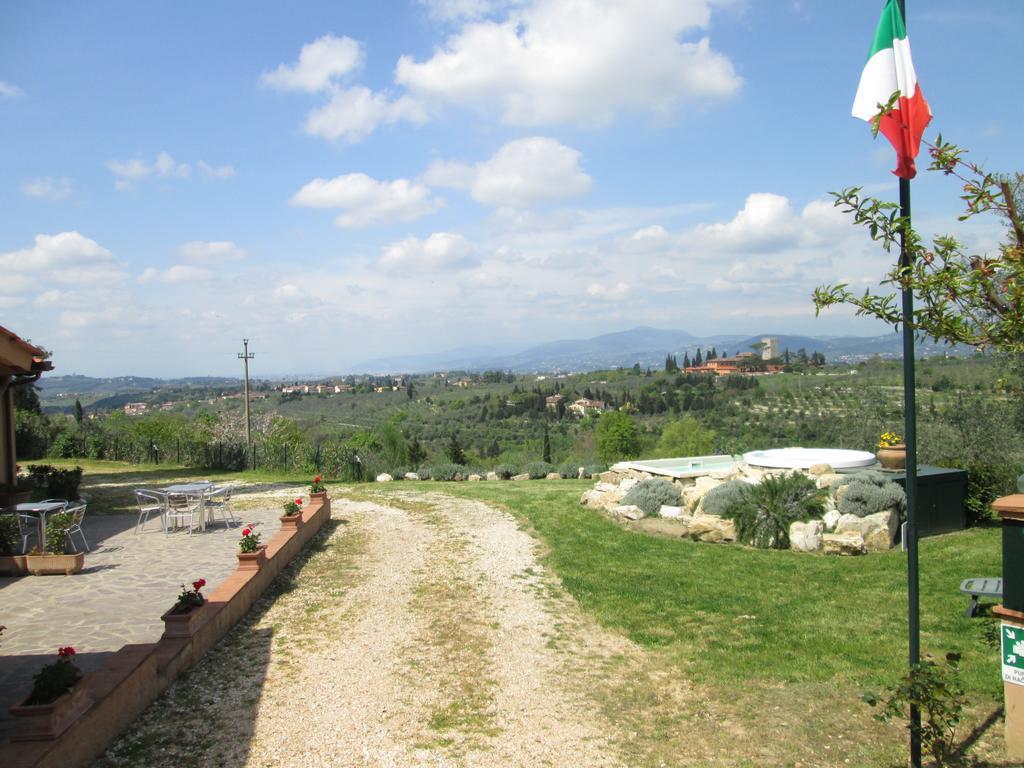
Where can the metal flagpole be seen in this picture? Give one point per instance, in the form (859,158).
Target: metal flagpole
(910,433)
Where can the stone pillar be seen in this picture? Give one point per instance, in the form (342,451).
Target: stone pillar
(1011,614)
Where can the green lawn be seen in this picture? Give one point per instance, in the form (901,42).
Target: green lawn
(729,614)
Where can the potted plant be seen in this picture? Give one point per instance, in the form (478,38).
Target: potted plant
(11,563)
(317,489)
(54,559)
(54,702)
(292,517)
(184,616)
(251,554)
(892,452)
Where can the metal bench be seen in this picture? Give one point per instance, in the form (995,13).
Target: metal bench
(980,587)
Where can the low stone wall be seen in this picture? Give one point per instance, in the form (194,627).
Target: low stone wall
(835,533)
(131,679)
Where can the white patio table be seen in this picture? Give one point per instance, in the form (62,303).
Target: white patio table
(195,497)
(41,509)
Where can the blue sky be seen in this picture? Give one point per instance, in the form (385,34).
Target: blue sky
(340,181)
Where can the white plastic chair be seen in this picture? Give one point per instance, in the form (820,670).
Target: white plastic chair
(150,503)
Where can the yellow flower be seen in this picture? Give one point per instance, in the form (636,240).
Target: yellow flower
(889,439)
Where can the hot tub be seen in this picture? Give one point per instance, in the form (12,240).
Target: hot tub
(690,466)
(804,458)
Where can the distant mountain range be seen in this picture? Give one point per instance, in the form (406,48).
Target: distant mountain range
(643,345)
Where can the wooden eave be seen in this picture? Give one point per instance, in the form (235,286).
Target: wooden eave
(18,357)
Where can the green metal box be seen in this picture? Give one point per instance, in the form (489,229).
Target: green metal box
(941,493)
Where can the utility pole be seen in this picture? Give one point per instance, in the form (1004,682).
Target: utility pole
(245,357)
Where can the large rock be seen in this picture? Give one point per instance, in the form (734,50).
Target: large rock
(492,476)
(826,480)
(523,476)
(629,511)
(841,491)
(671,512)
(817,470)
(411,476)
(474,478)
(693,494)
(581,473)
(843,544)
(878,530)
(552,476)
(661,526)
(806,537)
(831,519)
(384,477)
(611,476)
(592,498)
(628,484)
(710,528)
(606,487)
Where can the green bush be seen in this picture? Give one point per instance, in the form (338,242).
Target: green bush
(505,471)
(424,473)
(594,469)
(399,473)
(766,512)
(9,538)
(57,532)
(986,482)
(651,494)
(56,483)
(864,498)
(869,476)
(569,471)
(721,500)
(537,470)
(447,472)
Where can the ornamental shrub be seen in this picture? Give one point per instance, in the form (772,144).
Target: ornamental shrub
(424,473)
(594,469)
(722,499)
(651,494)
(505,471)
(569,471)
(770,507)
(57,526)
(537,470)
(447,472)
(869,476)
(864,498)
(9,535)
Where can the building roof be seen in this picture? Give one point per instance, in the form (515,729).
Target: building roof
(17,356)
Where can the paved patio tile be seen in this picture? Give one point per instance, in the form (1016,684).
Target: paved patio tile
(129,580)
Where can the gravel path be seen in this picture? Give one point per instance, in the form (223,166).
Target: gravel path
(421,632)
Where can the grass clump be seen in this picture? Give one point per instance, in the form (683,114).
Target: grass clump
(538,470)
(770,507)
(448,472)
(649,495)
(721,500)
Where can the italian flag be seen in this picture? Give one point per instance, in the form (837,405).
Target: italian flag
(890,69)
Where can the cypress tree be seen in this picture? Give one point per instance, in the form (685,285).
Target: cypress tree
(547,445)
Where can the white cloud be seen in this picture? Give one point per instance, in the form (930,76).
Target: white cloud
(521,173)
(442,251)
(365,201)
(48,187)
(455,10)
(179,273)
(128,172)
(216,172)
(320,64)
(766,221)
(355,113)
(351,113)
(581,62)
(287,292)
(66,249)
(10,91)
(213,252)
(614,291)
(52,298)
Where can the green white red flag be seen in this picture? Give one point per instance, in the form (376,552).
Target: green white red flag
(890,69)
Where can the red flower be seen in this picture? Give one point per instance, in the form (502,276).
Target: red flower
(246,531)
(198,584)
(317,479)
(66,652)
(299,502)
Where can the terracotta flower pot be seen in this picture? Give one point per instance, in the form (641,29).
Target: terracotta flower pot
(291,522)
(183,624)
(48,564)
(43,722)
(12,565)
(252,561)
(893,457)
(318,497)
